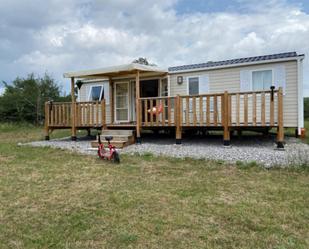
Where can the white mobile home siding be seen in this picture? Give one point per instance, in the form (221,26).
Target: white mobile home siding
(229,79)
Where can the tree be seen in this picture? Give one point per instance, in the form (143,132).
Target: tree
(24,99)
(143,61)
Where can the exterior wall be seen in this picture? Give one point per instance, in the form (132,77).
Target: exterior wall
(229,79)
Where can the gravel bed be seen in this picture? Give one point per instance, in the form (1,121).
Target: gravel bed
(246,149)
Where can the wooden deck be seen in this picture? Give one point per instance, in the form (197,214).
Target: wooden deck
(226,111)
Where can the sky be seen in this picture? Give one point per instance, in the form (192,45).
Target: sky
(56,36)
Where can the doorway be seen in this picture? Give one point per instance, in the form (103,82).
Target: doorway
(121,102)
(149,88)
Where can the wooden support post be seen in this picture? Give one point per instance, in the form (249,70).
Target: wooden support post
(73,110)
(137,103)
(280,129)
(272,109)
(47,112)
(178,120)
(111,99)
(225,117)
(103,114)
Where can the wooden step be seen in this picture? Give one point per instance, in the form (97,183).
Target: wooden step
(116,132)
(121,138)
(117,137)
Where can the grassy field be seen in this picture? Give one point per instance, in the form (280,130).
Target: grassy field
(55,199)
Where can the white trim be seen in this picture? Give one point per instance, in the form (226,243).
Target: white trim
(89,94)
(106,71)
(78,94)
(160,87)
(87,81)
(236,65)
(300,97)
(191,77)
(262,69)
(128,101)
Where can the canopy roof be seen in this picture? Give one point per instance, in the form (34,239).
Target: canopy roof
(115,71)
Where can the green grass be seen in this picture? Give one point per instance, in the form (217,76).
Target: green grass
(56,199)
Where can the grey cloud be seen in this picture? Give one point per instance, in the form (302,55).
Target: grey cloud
(59,36)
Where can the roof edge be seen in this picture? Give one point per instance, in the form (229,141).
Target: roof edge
(238,64)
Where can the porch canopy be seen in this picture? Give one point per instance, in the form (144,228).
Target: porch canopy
(116,71)
(127,70)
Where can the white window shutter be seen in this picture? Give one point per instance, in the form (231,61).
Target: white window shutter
(203,84)
(106,92)
(280,77)
(245,80)
(87,97)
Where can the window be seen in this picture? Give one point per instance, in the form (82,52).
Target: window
(96,93)
(193,85)
(262,80)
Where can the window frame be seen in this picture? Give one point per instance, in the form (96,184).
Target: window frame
(188,83)
(260,70)
(89,95)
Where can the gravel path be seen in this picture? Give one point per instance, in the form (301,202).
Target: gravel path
(246,149)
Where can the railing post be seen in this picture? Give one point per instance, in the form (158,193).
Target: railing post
(47,112)
(272,106)
(225,118)
(280,129)
(137,108)
(103,114)
(73,110)
(178,121)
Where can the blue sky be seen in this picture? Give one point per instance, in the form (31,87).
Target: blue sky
(211,6)
(57,36)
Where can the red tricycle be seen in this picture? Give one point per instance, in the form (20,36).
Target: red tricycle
(110,154)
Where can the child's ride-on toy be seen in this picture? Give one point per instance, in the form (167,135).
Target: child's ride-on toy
(111,153)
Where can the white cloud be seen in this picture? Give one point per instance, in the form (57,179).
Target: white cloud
(2,90)
(87,34)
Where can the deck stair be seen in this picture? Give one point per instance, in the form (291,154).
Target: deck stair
(121,138)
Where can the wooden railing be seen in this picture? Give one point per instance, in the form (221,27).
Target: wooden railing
(225,110)
(256,108)
(86,114)
(158,111)
(201,110)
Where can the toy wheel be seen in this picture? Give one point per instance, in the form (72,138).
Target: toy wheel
(116,158)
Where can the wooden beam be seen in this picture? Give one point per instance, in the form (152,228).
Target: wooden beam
(237,109)
(137,102)
(263,109)
(103,114)
(178,120)
(226,132)
(111,99)
(254,109)
(272,110)
(280,131)
(246,110)
(73,109)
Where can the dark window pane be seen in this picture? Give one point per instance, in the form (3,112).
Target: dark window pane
(95,93)
(193,86)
